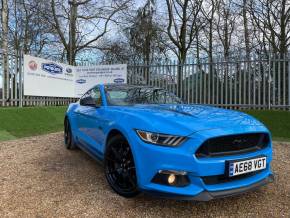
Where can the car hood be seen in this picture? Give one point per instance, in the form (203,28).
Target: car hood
(185,119)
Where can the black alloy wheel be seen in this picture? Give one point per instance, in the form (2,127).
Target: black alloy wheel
(119,167)
(68,138)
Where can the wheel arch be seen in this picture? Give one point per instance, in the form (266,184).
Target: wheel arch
(121,135)
(118,131)
(65,118)
(113,132)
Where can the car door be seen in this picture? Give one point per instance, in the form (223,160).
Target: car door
(90,122)
(82,121)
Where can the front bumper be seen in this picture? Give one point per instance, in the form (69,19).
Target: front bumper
(149,159)
(210,195)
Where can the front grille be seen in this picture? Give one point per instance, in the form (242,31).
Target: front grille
(212,180)
(233,144)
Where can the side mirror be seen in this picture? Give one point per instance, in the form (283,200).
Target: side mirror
(88,101)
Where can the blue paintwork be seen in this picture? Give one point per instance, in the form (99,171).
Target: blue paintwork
(91,127)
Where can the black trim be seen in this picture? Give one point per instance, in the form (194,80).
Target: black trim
(223,178)
(207,195)
(233,145)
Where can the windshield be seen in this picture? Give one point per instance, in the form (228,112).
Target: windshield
(140,95)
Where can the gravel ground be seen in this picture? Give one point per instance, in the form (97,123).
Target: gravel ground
(40,178)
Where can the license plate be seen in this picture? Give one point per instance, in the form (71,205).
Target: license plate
(246,166)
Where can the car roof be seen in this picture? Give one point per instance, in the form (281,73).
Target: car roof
(126,86)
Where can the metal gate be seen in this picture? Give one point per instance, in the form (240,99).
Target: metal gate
(257,83)
(261,83)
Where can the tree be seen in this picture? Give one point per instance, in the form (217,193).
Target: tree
(209,11)
(88,22)
(183,25)
(226,24)
(143,33)
(5,77)
(117,51)
(272,18)
(183,17)
(246,28)
(28,30)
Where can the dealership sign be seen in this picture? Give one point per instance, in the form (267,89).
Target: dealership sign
(89,76)
(48,78)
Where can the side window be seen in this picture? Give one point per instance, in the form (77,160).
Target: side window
(87,94)
(96,95)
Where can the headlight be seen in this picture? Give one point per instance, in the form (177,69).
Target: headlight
(160,139)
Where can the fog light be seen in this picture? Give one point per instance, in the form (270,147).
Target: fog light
(171,179)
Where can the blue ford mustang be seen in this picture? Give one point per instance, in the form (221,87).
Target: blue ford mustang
(149,141)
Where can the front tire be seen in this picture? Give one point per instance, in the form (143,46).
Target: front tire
(68,137)
(119,167)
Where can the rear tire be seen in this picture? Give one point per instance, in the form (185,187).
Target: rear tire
(119,167)
(68,136)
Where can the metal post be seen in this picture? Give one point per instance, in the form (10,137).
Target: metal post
(249,82)
(226,82)
(240,82)
(222,83)
(230,76)
(192,82)
(274,81)
(200,82)
(254,82)
(6,63)
(180,89)
(217,81)
(11,75)
(175,78)
(213,69)
(284,80)
(208,88)
(16,63)
(20,80)
(235,82)
(3,78)
(264,86)
(259,82)
(196,82)
(171,80)
(288,58)
(165,74)
(245,82)
(204,81)
(269,83)
(279,80)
